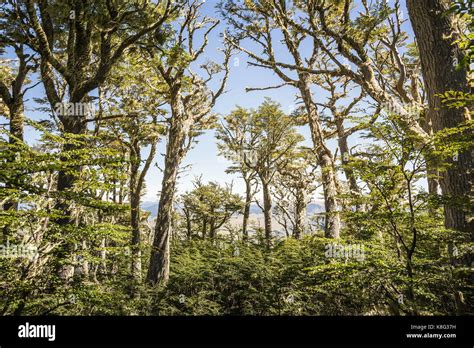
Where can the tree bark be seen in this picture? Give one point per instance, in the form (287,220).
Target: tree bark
(267,212)
(158,272)
(248,202)
(72,124)
(12,96)
(189,227)
(439,55)
(135,213)
(300,213)
(16,135)
(204,228)
(76,125)
(212,227)
(344,149)
(325,160)
(332,224)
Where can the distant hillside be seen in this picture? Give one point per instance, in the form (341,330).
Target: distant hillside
(152,207)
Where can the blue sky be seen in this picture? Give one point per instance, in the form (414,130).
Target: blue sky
(203,158)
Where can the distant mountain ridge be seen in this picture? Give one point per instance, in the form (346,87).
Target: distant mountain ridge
(152,207)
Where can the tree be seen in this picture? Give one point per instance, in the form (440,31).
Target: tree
(398,212)
(257,20)
(339,88)
(362,43)
(35,224)
(236,142)
(83,54)
(191,103)
(134,120)
(78,43)
(294,184)
(272,136)
(440,56)
(361,38)
(12,91)
(208,207)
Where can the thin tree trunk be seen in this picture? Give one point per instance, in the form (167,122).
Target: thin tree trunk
(136,184)
(324,156)
(439,56)
(135,216)
(15,104)
(189,230)
(248,202)
(332,223)
(300,213)
(204,228)
(212,228)
(267,212)
(433,182)
(344,149)
(103,258)
(16,131)
(84,266)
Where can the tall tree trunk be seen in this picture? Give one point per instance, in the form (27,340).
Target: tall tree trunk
(158,271)
(248,202)
(325,160)
(439,56)
(348,172)
(135,214)
(72,124)
(204,228)
(102,267)
(332,222)
(300,213)
(16,131)
(189,228)
(13,98)
(267,212)
(84,266)
(16,122)
(432,174)
(212,228)
(344,149)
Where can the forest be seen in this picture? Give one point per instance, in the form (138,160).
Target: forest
(302,157)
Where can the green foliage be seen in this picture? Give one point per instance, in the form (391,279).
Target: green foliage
(32,285)
(464,10)
(296,278)
(457,99)
(224,276)
(394,256)
(209,207)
